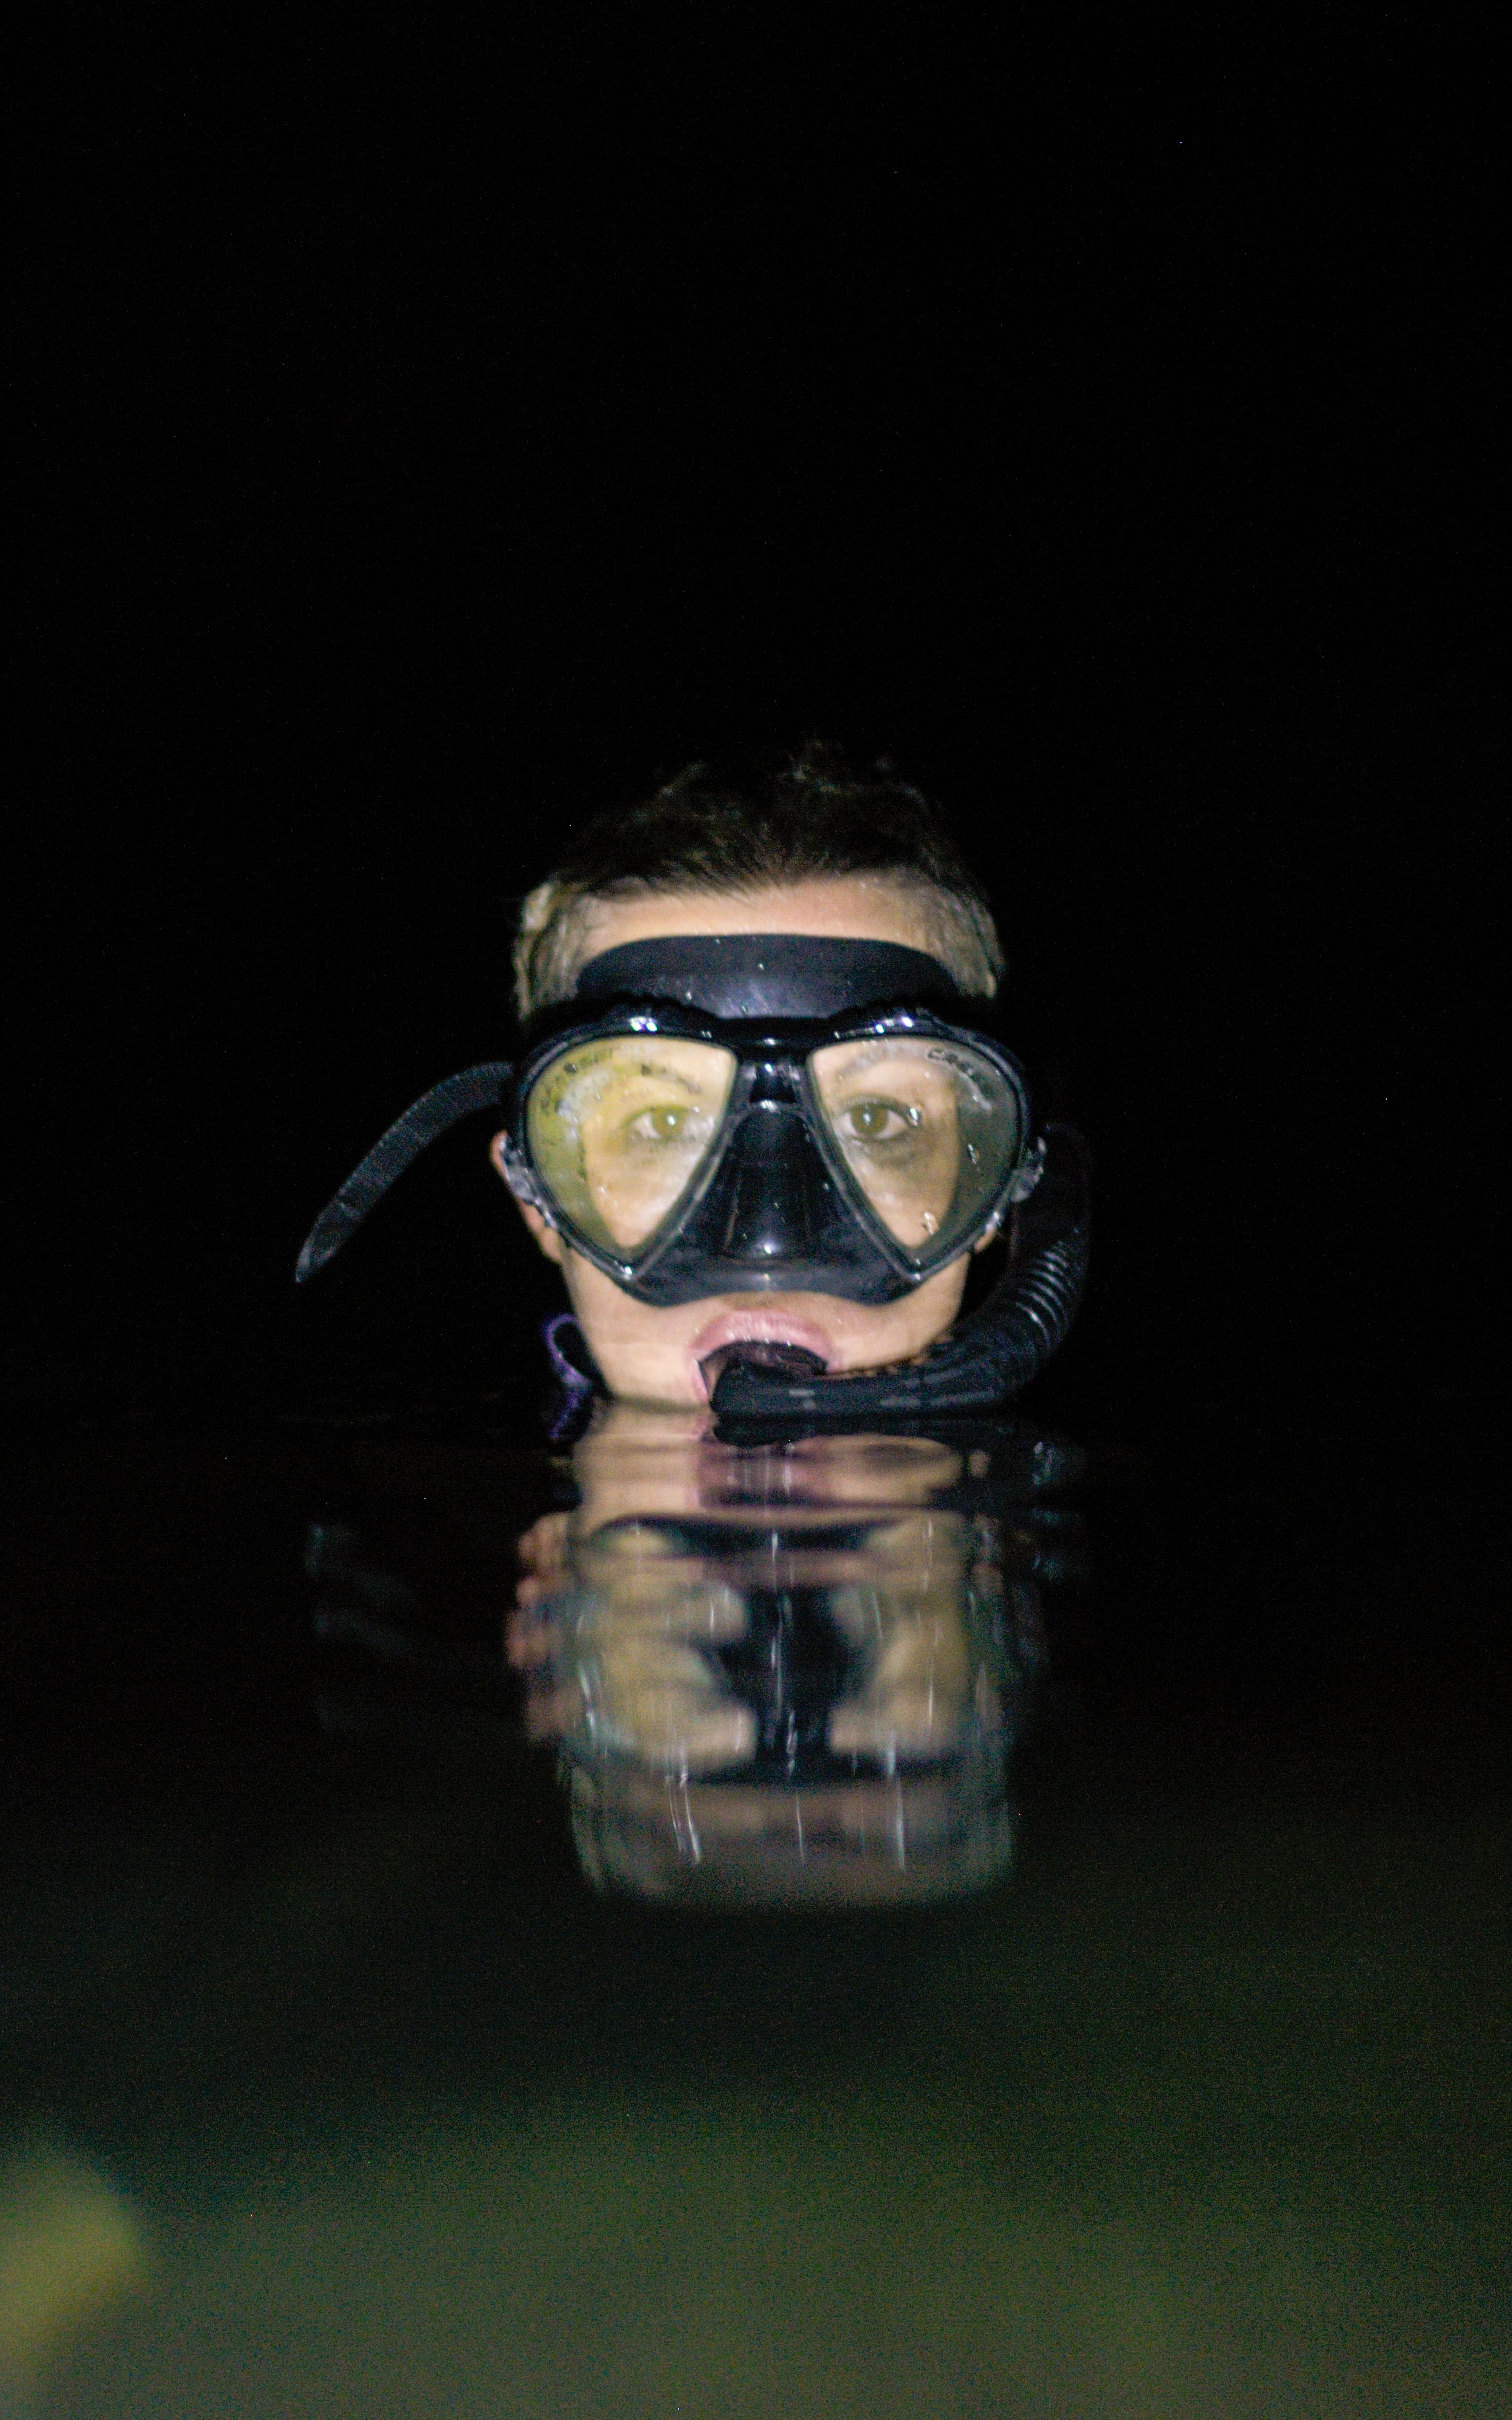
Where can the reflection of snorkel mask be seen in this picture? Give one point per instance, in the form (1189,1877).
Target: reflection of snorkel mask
(757,1113)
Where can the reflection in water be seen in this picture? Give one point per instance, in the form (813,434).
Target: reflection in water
(327,2088)
(792,1671)
(778,1672)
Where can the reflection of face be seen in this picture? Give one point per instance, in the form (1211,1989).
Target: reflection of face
(849,1520)
(634,1162)
(637,1461)
(662,1629)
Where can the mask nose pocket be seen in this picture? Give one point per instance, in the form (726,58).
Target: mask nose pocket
(776,1198)
(774,1217)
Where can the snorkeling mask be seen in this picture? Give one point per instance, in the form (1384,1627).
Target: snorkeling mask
(714,1114)
(765,1131)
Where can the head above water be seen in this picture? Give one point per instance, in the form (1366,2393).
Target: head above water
(810,850)
(761,1119)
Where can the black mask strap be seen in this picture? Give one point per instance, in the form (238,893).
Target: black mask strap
(743,975)
(444,1106)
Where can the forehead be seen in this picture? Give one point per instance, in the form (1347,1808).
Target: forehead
(844,907)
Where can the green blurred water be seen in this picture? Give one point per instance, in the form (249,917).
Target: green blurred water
(1203,2111)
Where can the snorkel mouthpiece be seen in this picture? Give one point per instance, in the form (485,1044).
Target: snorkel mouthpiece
(761,1353)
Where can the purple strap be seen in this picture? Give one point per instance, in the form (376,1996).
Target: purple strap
(576,1385)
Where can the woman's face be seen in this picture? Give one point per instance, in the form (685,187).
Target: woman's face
(653,1354)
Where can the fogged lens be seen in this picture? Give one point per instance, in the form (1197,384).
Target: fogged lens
(619,1129)
(927,1128)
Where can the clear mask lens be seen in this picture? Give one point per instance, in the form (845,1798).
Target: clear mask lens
(619,1128)
(927,1130)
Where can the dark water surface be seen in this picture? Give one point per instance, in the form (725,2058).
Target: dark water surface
(1049,1957)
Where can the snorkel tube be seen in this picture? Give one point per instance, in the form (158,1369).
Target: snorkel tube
(990,1357)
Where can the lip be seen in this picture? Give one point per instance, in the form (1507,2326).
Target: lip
(755,1328)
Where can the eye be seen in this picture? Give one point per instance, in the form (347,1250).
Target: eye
(663,1124)
(878,1121)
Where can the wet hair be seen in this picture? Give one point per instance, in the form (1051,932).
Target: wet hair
(809,817)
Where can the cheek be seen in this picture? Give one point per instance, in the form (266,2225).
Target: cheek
(641,1350)
(869,1335)
(923,1316)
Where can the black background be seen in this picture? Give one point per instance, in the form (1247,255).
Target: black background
(426,442)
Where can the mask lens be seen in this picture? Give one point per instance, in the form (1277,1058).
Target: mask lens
(928,1129)
(619,1129)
